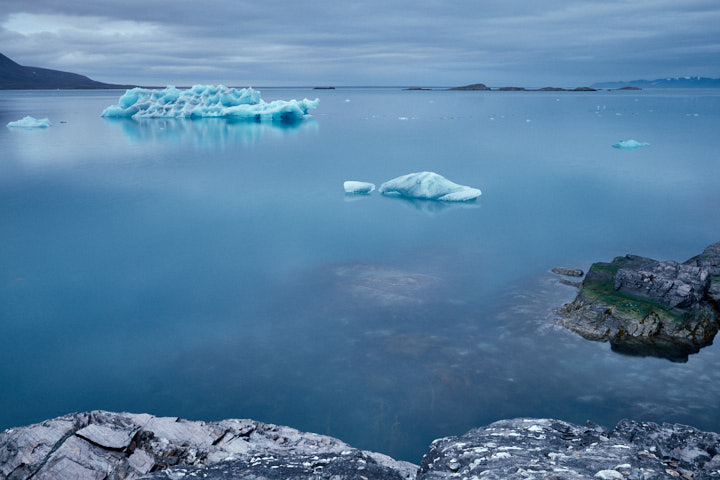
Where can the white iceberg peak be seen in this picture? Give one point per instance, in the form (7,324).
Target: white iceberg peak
(202,101)
(428,186)
(30,122)
(359,188)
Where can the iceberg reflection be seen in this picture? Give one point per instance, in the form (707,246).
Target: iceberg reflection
(208,133)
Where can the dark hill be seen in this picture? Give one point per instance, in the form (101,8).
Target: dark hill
(16,77)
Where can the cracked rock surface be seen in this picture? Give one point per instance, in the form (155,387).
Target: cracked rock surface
(552,449)
(105,445)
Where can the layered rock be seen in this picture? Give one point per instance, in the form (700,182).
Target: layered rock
(644,306)
(105,445)
(552,449)
(99,445)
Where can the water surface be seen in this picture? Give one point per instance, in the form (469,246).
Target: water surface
(208,270)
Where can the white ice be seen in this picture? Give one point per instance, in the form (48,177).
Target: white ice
(630,144)
(202,101)
(30,122)
(429,186)
(361,188)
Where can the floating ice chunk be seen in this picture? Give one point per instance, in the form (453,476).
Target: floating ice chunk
(201,101)
(30,122)
(429,186)
(630,144)
(358,188)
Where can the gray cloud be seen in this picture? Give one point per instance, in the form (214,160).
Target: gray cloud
(373,42)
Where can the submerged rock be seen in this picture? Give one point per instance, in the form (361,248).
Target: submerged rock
(552,449)
(647,307)
(99,444)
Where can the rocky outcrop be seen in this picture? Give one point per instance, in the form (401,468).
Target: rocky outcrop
(647,307)
(104,445)
(552,449)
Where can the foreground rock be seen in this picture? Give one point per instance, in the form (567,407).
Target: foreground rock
(99,445)
(105,445)
(552,449)
(647,307)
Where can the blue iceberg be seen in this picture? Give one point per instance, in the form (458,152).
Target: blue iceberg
(428,186)
(203,101)
(630,144)
(358,188)
(30,122)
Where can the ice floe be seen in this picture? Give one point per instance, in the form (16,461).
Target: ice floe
(630,144)
(202,101)
(428,186)
(30,122)
(358,188)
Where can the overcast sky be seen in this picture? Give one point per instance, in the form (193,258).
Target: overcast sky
(365,42)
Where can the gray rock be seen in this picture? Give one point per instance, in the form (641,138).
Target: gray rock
(171,449)
(570,272)
(710,260)
(127,446)
(669,283)
(646,307)
(553,449)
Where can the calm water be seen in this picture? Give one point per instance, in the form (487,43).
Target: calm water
(211,270)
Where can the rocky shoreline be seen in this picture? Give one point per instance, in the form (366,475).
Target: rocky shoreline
(106,445)
(649,307)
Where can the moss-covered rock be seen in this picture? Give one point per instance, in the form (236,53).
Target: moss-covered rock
(646,307)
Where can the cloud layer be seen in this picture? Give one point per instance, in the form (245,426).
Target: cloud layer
(366,42)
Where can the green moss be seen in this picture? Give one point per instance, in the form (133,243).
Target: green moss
(607,268)
(601,288)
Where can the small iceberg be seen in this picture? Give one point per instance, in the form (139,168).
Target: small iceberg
(358,188)
(207,101)
(30,122)
(428,186)
(630,144)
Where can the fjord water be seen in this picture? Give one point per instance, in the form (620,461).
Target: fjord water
(207,269)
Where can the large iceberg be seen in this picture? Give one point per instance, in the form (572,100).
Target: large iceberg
(202,101)
(630,144)
(30,122)
(428,186)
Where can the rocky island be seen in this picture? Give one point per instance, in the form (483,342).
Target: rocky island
(105,445)
(482,86)
(648,307)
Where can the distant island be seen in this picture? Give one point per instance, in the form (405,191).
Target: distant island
(482,86)
(17,77)
(677,82)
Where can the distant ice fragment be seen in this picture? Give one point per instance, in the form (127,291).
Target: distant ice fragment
(202,101)
(630,144)
(358,188)
(428,186)
(30,122)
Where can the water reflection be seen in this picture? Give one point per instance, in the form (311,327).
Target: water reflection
(434,206)
(208,133)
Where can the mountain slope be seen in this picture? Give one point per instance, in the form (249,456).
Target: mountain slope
(17,77)
(678,82)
